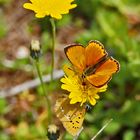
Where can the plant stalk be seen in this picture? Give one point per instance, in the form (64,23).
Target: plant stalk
(53,45)
(44,90)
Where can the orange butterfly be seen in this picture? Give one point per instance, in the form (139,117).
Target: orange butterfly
(71,115)
(92,62)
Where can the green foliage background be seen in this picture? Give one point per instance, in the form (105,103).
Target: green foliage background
(109,22)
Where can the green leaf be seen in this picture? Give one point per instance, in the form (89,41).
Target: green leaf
(3,105)
(129,135)
(3,26)
(112,128)
(4,136)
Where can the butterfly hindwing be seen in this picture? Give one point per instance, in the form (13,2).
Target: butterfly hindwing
(74,124)
(104,72)
(71,116)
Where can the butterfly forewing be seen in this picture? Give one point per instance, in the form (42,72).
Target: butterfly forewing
(76,55)
(71,116)
(94,52)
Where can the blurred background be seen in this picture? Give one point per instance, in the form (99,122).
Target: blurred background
(115,23)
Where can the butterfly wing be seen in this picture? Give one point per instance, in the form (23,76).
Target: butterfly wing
(71,116)
(104,72)
(76,55)
(94,52)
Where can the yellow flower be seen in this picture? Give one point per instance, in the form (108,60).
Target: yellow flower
(80,89)
(54,8)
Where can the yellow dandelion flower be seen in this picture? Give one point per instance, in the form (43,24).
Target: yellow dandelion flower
(53,8)
(80,89)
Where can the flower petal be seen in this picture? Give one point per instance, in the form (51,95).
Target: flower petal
(54,8)
(28,6)
(75,94)
(75,100)
(92,100)
(40,15)
(96,96)
(103,89)
(57,16)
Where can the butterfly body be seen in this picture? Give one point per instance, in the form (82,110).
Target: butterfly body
(92,69)
(92,62)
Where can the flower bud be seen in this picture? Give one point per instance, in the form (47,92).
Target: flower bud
(53,132)
(35,49)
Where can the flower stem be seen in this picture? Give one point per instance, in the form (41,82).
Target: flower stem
(53,45)
(44,90)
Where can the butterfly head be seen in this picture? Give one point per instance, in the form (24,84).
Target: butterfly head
(88,107)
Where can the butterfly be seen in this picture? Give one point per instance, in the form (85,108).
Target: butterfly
(71,115)
(92,62)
